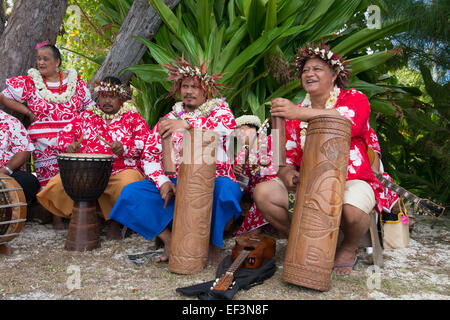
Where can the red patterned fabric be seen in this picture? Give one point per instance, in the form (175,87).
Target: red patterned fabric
(388,196)
(257,173)
(130,129)
(220,119)
(50,118)
(13,138)
(353,105)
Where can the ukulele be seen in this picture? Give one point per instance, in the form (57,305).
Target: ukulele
(250,251)
(432,208)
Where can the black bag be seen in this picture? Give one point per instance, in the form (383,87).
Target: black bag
(244,279)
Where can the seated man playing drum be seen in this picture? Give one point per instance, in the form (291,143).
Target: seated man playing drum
(141,206)
(15,150)
(324,76)
(112,128)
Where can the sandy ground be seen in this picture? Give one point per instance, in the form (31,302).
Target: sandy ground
(40,269)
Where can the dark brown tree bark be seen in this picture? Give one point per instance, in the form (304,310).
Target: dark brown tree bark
(142,21)
(2,17)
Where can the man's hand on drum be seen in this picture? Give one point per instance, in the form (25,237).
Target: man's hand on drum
(73,147)
(117,148)
(290,177)
(167,191)
(168,126)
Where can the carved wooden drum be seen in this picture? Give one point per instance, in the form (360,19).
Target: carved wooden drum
(13,209)
(193,202)
(317,210)
(84,178)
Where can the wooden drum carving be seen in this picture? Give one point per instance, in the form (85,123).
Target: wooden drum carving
(317,210)
(193,203)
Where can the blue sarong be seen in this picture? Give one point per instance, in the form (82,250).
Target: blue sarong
(140,208)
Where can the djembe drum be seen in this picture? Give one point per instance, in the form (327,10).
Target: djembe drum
(317,211)
(84,178)
(193,203)
(13,210)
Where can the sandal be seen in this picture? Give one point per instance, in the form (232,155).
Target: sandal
(346,265)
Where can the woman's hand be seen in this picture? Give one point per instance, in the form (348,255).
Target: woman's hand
(284,108)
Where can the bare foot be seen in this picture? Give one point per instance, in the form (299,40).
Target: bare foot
(166,237)
(165,256)
(344,261)
(58,223)
(114,231)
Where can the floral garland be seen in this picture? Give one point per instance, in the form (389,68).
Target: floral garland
(248,119)
(329,104)
(99,112)
(49,96)
(336,62)
(114,88)
(181,68)
(202,111)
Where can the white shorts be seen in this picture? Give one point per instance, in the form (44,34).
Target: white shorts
(358,193)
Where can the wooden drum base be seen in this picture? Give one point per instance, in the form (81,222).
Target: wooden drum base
(5,250)
(83,234)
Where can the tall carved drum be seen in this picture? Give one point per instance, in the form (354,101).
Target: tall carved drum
(317,210)
(193,203)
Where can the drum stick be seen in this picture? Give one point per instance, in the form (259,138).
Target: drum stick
(103,140)
(81,139)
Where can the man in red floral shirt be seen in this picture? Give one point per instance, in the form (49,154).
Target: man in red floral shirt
(147,207)
(15,150)
(112,128)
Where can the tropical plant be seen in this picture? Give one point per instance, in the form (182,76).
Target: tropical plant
(244,39)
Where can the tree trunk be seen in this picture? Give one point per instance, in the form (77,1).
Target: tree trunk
(2,17)
(31,22)
(142,21)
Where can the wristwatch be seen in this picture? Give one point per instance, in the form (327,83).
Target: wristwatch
(10,172)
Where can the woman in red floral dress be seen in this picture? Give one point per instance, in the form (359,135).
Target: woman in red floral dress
(324,76)
(51,98)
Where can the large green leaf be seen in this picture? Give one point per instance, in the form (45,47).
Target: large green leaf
(370,61)
(365,37)
(148,72)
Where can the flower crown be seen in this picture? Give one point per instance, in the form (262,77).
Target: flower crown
(338,63)
(117,89)
(248,119)
(181,69)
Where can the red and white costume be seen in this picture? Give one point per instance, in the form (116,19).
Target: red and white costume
(390,197)
(219,119)
(50,118)
(129,128)
(354,106)
(13,138)
(257,171)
